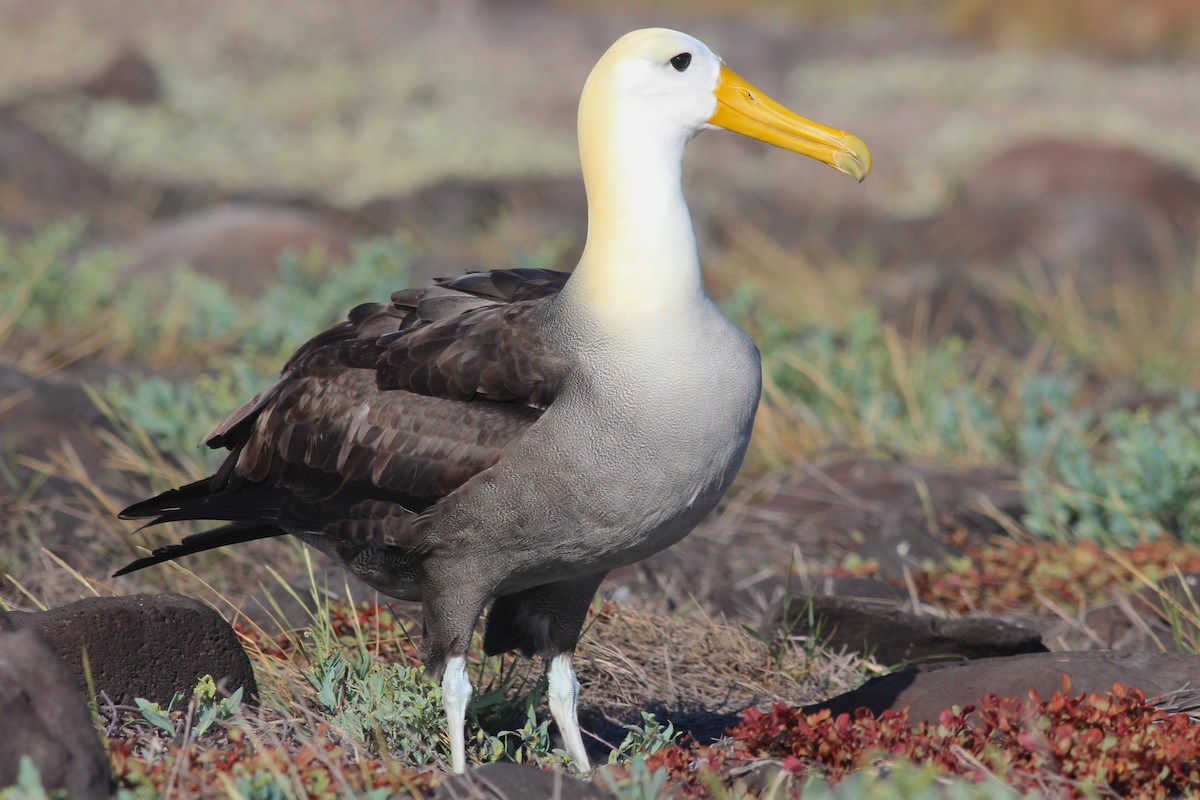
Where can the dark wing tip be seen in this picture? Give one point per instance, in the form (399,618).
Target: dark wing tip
(141,563)
(234,533)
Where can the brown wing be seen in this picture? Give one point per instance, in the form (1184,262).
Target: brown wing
(382,415)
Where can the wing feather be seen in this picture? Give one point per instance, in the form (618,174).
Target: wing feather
(376,419)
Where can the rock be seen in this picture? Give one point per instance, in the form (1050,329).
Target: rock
(880,509)
(44,182)
(934,301)
(46,718)
(892,636)
(1138,621)
(41,414)
(461,224)
(857,588)
(737,563)
(149,646)
(237,243)
(504,780)
(928,689)
(129,78)
(456,206)
(745,560)
(1069,204)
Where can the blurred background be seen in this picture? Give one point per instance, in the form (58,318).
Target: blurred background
(1067,129)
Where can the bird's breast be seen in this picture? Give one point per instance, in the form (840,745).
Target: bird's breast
(638,447)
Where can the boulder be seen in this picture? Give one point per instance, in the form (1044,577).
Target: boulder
(128,78)
(892,636)
(45,718)
(1070,205)
(928,689)
(43,413)
(148,646)
(882,509)
(238,244)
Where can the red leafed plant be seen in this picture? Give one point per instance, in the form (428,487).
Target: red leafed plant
(1066,745)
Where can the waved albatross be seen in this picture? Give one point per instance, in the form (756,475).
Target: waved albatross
(510,437)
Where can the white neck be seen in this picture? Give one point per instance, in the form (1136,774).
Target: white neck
(640,257)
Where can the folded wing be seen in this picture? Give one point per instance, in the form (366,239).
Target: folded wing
(376,419)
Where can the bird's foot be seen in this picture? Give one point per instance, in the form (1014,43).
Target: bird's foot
(456,693)
(563,697)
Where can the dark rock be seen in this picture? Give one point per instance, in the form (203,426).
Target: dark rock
(823,230)
(935,301)
(743,562)
(149,646)
(41,414)
(881,509)
(504,780)
(461,223)
(237,243)
(892,636)
(1070,204)
(928,689)
(456,206)
(1142,620)
(128,78)
(856,588)
(46,718)
(44,182)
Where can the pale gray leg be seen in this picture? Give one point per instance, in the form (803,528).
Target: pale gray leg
(456,693)
(563,696)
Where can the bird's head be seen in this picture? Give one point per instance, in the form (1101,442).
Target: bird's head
(666,83)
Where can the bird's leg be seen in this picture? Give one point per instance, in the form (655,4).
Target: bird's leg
(452,607)
(563,697)
(547,620)
(456,693)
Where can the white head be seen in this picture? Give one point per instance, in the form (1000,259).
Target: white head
(665,85)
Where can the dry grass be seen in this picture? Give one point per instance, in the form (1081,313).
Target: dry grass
(634,658)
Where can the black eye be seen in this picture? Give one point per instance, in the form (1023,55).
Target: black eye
(681,61)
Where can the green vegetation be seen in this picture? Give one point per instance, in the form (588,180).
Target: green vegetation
(1133,476)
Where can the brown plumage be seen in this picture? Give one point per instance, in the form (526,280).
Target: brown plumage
(376,419)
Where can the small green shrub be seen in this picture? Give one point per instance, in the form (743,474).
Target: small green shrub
(865,387)
(70,302)
(207,709)
(645,739)
(177,416)
(391,704)
(1131,476)
(29,785)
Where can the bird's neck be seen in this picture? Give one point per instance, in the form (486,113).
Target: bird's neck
(640,257)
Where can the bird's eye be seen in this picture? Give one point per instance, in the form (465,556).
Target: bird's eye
(681,61)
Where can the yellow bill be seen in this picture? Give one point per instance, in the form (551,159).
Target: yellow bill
(744,108)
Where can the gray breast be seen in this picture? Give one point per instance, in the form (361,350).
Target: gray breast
(637,448)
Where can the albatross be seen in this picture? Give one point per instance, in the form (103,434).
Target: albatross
(507,438)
